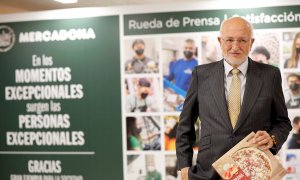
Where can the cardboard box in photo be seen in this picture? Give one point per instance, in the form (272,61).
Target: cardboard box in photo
(246,161)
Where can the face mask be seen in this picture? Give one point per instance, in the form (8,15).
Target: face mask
(188,54)
(143,108)
(298,50)
(294,86)
(139,51)
(144,95)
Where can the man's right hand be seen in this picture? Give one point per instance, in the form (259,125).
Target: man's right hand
(185,173)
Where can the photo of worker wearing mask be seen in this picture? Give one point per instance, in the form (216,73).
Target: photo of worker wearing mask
(141,56)
(292,92)
(179,58)
(142,94)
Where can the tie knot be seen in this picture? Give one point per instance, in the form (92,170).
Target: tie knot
(235,71)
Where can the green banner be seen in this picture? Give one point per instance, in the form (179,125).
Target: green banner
(60,104)
(209,20)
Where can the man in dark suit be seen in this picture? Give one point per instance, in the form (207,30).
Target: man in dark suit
(232,98)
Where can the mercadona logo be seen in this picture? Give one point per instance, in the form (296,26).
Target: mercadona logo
(7,38)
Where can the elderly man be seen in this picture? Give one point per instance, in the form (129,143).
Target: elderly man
(232,97)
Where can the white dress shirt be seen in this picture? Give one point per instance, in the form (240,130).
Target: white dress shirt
(228,77)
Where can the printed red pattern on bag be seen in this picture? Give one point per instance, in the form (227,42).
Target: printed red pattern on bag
(235,173)
(254,163)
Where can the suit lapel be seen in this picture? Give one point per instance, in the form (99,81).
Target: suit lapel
(218,90)
(252,89)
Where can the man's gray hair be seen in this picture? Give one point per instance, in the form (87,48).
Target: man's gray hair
(247,22)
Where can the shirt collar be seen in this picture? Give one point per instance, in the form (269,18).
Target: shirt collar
(243,67)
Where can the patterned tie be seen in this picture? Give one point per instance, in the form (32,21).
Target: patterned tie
(234,97)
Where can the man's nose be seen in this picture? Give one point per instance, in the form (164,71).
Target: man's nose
(235,45)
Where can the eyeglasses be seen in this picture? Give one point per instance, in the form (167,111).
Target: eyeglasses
(230,41)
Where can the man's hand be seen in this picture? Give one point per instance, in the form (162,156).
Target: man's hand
(263,140)
(185,173)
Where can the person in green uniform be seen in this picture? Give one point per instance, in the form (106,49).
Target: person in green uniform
(152,173)
(134,140)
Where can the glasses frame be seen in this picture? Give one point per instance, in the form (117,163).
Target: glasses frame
(230,41)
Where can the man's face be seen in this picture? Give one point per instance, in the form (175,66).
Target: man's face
(143,91)
(293,80)
(189,50)
(293,83)
(139,48)
(235,41)
(296,126)
(189,46)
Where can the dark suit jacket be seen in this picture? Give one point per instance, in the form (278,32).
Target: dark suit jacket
(263,108)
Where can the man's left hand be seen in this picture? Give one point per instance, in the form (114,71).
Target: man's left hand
(263,140)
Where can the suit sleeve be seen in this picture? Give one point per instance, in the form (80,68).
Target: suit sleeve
(280,122)
(185,135)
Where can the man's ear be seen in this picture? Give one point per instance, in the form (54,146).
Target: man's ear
(252,41)
(219,40)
